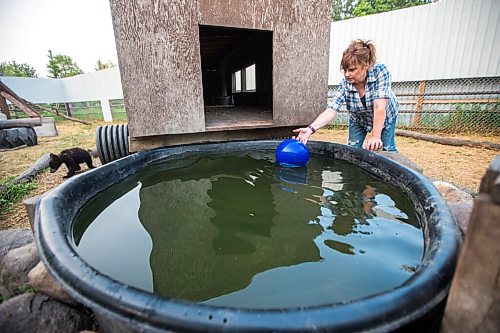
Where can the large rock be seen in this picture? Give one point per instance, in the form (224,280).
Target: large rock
(40,279)
(462,212)
(39,313)
(16,265)
(12,239)
(459,202)
(451,193)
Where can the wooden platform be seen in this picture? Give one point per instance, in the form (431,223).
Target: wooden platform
(234,118)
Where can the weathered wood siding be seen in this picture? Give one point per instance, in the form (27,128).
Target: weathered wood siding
(252,14)
(301,40)
(300,61)
(159,56)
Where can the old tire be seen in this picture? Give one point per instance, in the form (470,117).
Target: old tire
(18,136)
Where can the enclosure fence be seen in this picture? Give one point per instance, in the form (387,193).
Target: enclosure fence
(446,106)
(469,105)
(89,110)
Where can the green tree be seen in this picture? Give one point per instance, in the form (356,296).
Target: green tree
(101,65)
(368,7)
(61,65)
(342,9)
(12,68)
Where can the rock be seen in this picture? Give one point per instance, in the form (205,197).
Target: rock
(15,267)
(36,312)
(40,279)
(12,239)
(396,157)
(48,127)
(3,290)
(451,193)
(459,202)
(461,211)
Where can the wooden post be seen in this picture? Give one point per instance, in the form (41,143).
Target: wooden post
(26,122)
(420,102)
(31,204)
(474,300)
(68,109)
(4,107)
(21,104)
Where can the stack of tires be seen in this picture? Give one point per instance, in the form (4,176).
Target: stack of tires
(18,136)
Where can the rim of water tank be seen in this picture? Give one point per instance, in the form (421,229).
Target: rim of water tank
(388,310)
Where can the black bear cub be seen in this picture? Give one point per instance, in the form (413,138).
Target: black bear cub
(72,158)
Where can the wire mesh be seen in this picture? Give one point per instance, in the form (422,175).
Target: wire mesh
(88,110)
(470,105)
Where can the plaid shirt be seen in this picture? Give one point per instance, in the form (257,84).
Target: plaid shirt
(378,85)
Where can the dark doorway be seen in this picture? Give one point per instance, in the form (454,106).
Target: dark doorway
(237,78)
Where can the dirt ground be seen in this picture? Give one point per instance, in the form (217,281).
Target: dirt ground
(462,166)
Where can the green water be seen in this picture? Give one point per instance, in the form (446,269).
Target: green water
(240,231)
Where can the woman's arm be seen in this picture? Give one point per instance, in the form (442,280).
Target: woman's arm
(323,119)
(379,113)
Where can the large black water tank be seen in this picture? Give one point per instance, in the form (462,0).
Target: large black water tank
(413,306)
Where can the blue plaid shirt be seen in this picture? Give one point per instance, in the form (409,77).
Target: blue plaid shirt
(378,85)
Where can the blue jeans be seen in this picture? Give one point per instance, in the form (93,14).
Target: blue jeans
(357,135)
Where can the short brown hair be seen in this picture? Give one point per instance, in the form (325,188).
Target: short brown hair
(358,52)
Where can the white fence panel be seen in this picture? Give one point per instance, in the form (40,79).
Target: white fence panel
(36,90)
(101,85)
(443,40)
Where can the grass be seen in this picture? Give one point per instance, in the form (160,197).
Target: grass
(14,162)
(22,289)
(86,113)
(13,194)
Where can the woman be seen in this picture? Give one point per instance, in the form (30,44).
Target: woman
(366,90)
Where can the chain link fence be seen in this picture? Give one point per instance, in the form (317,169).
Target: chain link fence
(444,106)
(469,105)
(89,110)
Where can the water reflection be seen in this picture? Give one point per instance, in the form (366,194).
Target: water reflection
(296,175)
(115,234)
(228,216)
(239,230)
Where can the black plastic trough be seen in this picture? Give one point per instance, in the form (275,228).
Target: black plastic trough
(414,305)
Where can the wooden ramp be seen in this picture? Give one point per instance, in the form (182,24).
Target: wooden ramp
(7,94)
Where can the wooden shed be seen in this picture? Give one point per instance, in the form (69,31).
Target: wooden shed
(213,70)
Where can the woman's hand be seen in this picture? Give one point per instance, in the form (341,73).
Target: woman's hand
(304,134)
(373,144)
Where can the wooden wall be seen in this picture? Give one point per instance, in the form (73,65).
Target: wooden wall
(159,57)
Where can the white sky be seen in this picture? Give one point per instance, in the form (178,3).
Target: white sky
(81,29)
